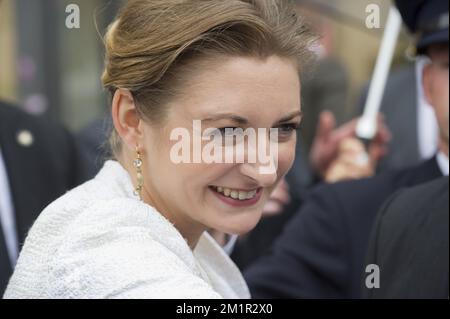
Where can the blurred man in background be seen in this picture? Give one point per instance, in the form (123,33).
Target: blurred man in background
(410,237)
(407,115)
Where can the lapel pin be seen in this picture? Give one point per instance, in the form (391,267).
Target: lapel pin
(25,138)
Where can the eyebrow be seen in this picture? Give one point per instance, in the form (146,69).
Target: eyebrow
(291,116)
(243,121)
(227,116)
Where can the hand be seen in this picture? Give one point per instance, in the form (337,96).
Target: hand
(325,148)
(352,162)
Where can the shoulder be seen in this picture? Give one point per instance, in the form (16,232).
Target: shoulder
(113,263)
(426,192)
(375,190)
(346,207)
(42,126)
(119,248)
(408,215)
(53,147)
(409,204)
(340,196)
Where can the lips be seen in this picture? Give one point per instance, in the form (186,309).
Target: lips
(235,193)
(237,197)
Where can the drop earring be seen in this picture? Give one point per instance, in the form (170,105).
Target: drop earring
(139,177)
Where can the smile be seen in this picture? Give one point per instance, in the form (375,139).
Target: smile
(235,197)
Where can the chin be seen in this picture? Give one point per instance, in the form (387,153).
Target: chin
(240,226)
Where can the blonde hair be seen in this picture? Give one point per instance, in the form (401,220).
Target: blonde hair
(152,43)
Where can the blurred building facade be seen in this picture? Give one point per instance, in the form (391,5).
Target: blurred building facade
(49,68)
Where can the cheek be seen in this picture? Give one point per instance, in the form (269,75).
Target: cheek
(445,90)
(198,177)
(286,157)
(439,89)
(441,85)
(440,99)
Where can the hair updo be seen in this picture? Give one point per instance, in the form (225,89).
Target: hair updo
(152,44)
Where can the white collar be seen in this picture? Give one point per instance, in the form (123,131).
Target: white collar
(443,162)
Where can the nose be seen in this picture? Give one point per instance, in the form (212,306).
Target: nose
(264,178)
(261,165)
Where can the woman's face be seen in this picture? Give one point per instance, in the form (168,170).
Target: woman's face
(228,197)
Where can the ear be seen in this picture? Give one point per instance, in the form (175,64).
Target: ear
(427,82)
(125,118)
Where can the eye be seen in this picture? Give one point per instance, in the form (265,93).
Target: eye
(227,131)
(222,132)
(287,129)
(228,135)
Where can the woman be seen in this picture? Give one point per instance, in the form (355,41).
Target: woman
(137,230)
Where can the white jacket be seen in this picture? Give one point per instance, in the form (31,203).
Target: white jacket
(100,241)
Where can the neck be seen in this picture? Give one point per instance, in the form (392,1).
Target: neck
(189,229)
